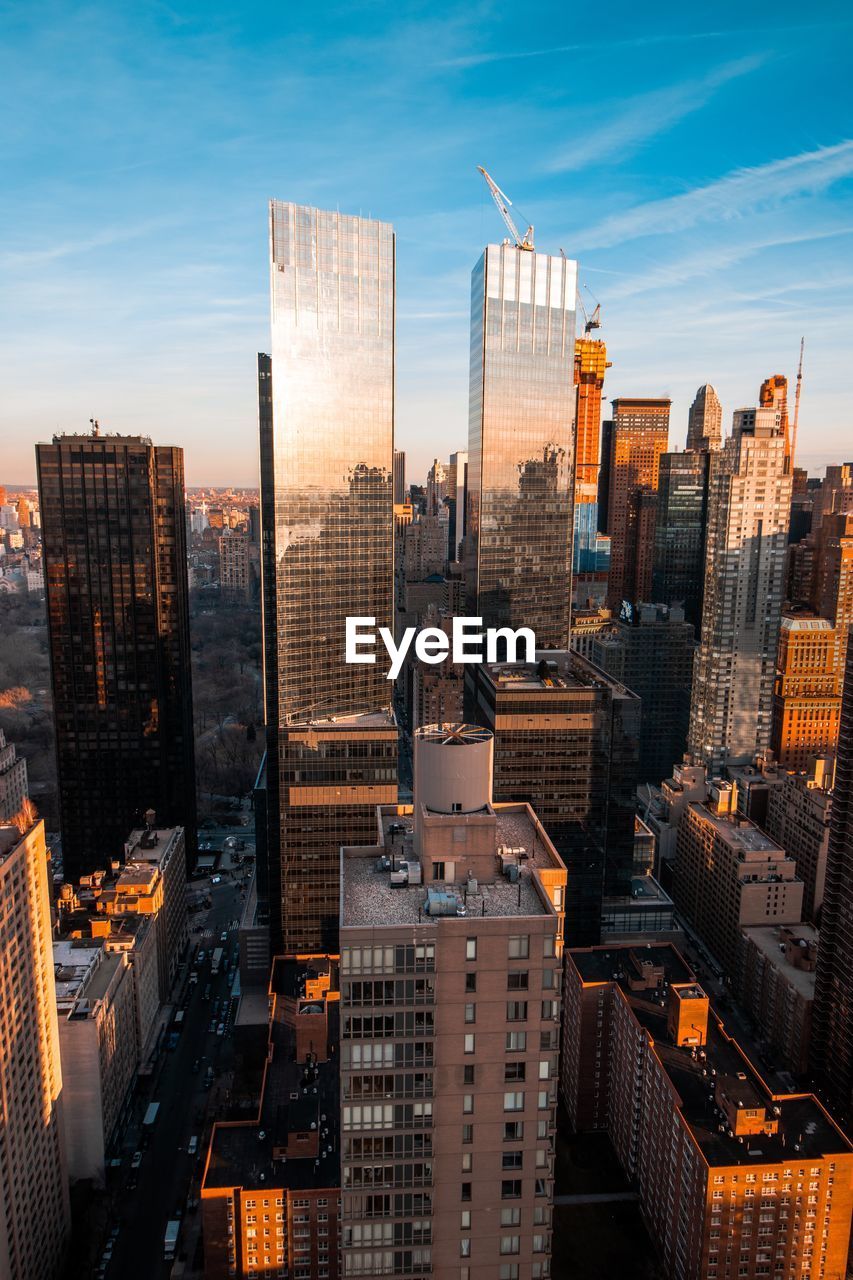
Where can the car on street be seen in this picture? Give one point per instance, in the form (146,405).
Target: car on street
(201,957)
(223,937)
(220,1030)
(206,995)
(216,879)
(136,1160)
(211,1026)
(192,1146)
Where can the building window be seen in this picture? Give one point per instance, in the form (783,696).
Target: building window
(516,1011)
(468,1073)
(466,1192)
(511,1189)
(470,948)
(470,1013)
(514,1100)
(469,1042)
(510,1244)
(467,1104)
(465,1223)
(470,982)
(516,981)
(467,1133)
(519,947)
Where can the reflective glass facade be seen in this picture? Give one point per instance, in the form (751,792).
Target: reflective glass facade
(679,559)
(521,441)
(115,568)
(327,454)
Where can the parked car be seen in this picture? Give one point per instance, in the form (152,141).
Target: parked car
(136,1160)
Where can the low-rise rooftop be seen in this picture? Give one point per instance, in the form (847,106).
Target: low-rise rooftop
(719,1069)
(772,941)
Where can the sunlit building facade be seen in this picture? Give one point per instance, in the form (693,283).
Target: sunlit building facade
(632,444)
(521,441)
(749,505)
(35,1217)
(705,421)
(678,567)
(327,459)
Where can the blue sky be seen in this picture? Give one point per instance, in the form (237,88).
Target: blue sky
(697,160)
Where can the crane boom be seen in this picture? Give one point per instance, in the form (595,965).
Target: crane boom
(503,203)
(797,405)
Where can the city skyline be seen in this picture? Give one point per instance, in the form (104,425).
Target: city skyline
(707,216)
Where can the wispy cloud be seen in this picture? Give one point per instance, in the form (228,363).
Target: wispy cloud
(82,244)
(731,197)
(647,115)
(482,58)
(711,260)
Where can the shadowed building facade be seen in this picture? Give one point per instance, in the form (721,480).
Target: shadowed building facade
(832,1034)
(115,567)
(327,460)
(521,442)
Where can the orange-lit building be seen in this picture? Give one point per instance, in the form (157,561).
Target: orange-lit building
(591,363)
(632,444)
(35,1217)
(733,1180)
(270,1190)
(806,696)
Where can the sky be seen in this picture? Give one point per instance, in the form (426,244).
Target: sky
(696,160)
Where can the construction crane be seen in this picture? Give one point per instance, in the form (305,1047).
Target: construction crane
(504,203)
(797,404)
(591,321)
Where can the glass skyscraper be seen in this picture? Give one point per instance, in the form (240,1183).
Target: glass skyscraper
(327,456)
(521,441)
(115,570)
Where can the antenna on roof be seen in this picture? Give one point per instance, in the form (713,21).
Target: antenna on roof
(96,427)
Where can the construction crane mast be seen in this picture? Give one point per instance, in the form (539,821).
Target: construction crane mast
(504,203)
(796,421)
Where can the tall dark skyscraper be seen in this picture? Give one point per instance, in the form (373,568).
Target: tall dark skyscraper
(651,652)
(327,455)
(832,1022)
(678,570)
(518,562)
(115,567)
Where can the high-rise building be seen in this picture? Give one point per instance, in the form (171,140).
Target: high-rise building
(399,477)
(832,1031)
(327,448)
(806,695)
(705,421)
(749,505)
(776,986)
(733,1179)
(591,364)
(730,874)
(437,485)
(13,780)
(835,495)
(833,579)
(451,958)
(567,741)
(35,1217)
(773,394)
(632,444)
(678,570)
(521,442)
(115,565)
(798,814)
(457,502)
(651,652)
(235,578)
